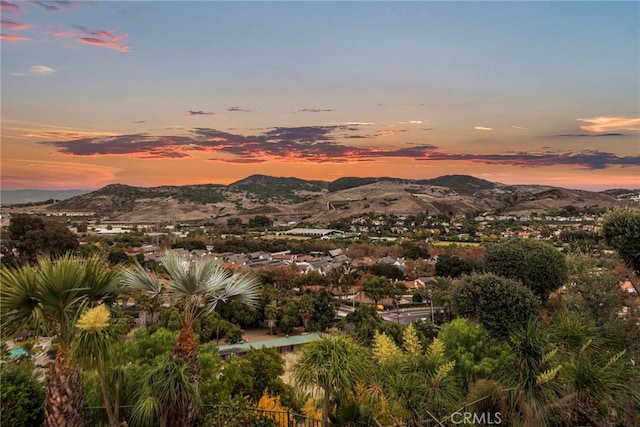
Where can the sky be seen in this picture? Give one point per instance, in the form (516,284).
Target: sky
(151,93)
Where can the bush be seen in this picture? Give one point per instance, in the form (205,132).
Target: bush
(22,396)
(497,303)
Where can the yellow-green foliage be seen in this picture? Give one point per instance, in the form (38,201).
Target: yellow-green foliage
(442,372)
(548,375)
(95,319)
(311,409)
(411,341)
(550,355)
(435,351)
(384,349)
(274,408)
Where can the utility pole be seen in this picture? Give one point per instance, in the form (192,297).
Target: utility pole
(433,322)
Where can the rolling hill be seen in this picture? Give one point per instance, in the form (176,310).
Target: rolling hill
(319,202)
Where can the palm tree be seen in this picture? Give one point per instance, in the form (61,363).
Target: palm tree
(167,392)
(95,350)
(335,364)
(538,393)
(271,314)
(50,297)
(198,286)
(306,310)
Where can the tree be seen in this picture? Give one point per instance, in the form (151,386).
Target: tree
(289,318)
(51,297)
(535,264)
(333,363)
(476,353)
(190,245)
(271,314)
(415,384)
(602,378)
(198,286)
(240,314)
(324,312)
(267,366)
(306,309)
(453,266)
(377,288)
(497,303)
(593,290)
(311,278)
(260,221)
(168,391)
(117,256)
(22,395)
(389,271)
(95,349)
(621,229)
(34,237)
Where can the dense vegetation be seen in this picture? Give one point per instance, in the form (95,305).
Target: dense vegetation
(527,334)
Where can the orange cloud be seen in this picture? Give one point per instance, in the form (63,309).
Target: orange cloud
(12,38)
(387,132)
(103,38)
(49,173)
(610,123)
(104,43)
(9,7)
(15,26)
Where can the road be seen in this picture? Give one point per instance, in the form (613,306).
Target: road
(403,315)
(408,315)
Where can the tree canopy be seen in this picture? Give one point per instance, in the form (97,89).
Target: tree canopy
(621,229)
(537,265)
(497,303)
(33,236)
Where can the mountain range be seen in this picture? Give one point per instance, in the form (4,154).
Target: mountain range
(320,202)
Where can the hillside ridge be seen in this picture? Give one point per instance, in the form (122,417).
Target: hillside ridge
(288,199)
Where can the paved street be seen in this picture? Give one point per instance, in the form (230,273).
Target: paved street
(404,315)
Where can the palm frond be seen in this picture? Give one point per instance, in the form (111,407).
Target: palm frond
(238,287)
(147,412)
(137,277)
(184,281)
(20,305)
(102,283)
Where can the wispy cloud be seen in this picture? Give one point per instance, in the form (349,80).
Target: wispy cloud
(386,132)
(10,7)
(54,6)
(103,38)
(589,160)
(415,122)
(139,121)
(195,113)
(352,124)
(400,105)
(14,26)
(315,110)
(36,71)
(13,38)
(610,123)
(482,128)
(238,110)
(518,127)
(582,135)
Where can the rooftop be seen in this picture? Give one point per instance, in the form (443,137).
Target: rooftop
(275,342)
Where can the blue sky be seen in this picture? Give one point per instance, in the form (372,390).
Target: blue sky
(155,93)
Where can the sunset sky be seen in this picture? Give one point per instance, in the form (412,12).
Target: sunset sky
(154,93)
